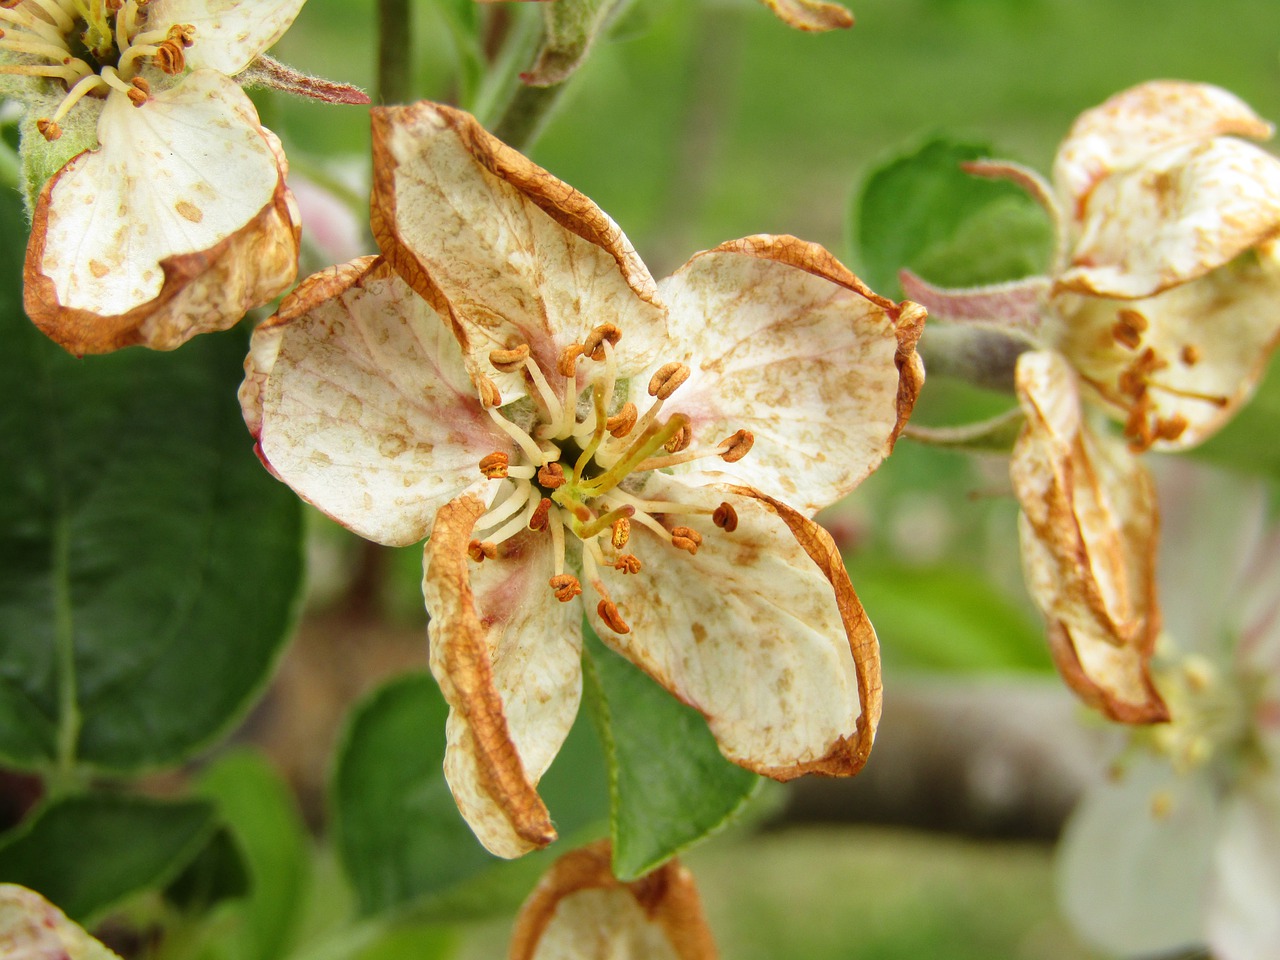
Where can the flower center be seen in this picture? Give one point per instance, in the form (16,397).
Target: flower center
(1143,426)
(566,480)
(91,46)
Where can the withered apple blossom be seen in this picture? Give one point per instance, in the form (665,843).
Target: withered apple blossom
(580,911)
(162,210)
(508,379)
(1159,312)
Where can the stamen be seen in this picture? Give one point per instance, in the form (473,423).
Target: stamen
(620,424)
(141,91)
(591,528)
(596,339)
(608,612)
(627,563)
(1190,355)
(35,47)
(518,498)
(621,532)
(568,361)
(49,130)
(551,475)
(1171,428)
(480,552)
(557,541)
(488,392)
(22,18)
(565,586)
(1129,327)
(667,379)
(56,14)
(70,72)
(680,441)
(516,525)
(650,440)
(554,408)
(526,442)
(509,361)
(725,517)
(494,466)
(597,433)
(737,446)
(540,514)
(685,538)
(1213,398)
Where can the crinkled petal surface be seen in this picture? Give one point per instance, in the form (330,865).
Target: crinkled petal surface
(31,928)
(357,397)
(1186,211)
(509,252)
(1242,919)
(761,631)
(508,657)
(1131,882)
(1127,129)
(229,33)
(1214,334)
(782,340)
(1088,528)
(814,15)
(178,224)
(579,911)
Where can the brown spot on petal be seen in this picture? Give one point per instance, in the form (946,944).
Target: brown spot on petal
(189,211)
(98,268)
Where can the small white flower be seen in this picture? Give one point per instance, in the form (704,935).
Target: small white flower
(172,217)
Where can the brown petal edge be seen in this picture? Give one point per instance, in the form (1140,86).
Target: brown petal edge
(568,207)
(466,673)
(667,896)
(907,317)
(811,15)
(1063,650)
(259,241)
(847,755)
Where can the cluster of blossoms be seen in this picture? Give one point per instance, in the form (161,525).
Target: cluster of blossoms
(508,379)
(1159,313)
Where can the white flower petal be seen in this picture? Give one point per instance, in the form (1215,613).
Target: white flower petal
(782,340)
(229,33)
(1133,882)
(1124,132)
(356,395)
(760,631)
(31,928)
(1186,211)
(1088,531)
(508,657)
(1243,916)
(1213,337)
(513,254)
(579,911)
(178,224)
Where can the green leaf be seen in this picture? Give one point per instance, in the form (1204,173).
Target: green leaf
(947,619)
(89,852)
(412,943)
(217,873)
(398,833)
(670,786)
(268,833)
(148,563)
(922,211)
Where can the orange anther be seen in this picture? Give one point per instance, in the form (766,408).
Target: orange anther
(49,130)
(539,519)
(551,475)
(1190,354)
(594,345)
(620,424)
(684,538)
(621,533)
(627,563)
(495,465)
(569,359)
(1171,428)
(488,391)
(509,361)
(609,614)
(565,586)
(478,551)
(682,438)
(668,377)
(734,448)
(725,517)
(170,58)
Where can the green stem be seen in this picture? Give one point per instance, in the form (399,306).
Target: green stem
(395,47)
(982,357)
(501,86)
(527,114)
(64,648)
